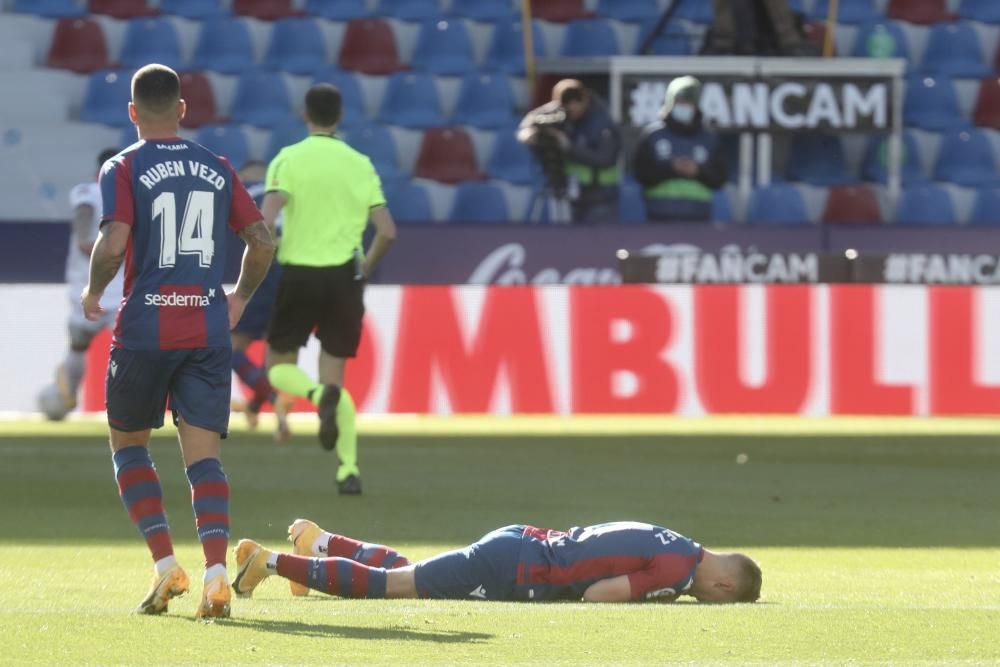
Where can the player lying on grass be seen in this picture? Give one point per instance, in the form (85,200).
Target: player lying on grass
(610,562)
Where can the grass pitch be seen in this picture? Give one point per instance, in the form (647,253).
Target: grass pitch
(876,549)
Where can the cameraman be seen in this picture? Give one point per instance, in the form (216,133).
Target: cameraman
(577,144)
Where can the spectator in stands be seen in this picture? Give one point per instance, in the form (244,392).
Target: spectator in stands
(578,145)
(756,27)
(677,160)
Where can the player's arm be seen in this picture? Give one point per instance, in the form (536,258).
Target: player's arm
(257,258)
(615,589)
(385,236)
(83,215)
(271,207)
(105,260)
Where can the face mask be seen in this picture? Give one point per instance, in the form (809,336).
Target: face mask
(683,113)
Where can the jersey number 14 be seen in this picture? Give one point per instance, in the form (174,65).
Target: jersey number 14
(195,237)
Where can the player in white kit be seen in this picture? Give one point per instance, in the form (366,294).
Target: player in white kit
(58,399)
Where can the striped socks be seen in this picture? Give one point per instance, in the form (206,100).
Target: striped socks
(140,491)
(372,555)
(335,576)
(254,377)
(210,500)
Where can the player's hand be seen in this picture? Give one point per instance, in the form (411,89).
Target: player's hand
(91,305)
(685,166)
(236,304)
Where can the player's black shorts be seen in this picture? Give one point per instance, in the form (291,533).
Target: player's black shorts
(327,299)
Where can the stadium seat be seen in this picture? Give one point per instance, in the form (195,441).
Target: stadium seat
(223,46)
(447,155)
(924,12)
(297,46)
(479,202)
(673,40)
(151,40)
(52,9)
(369,46)
(966,158)
(79,46)
(287,133)
(106,98)
(987,110)
(444,47)
(261,99)
(121,9)
(411,100)
(987,11)
(409,202)
(512,161)
(377,143)
(852,12)
(337,10)
(926,204)
(266,10)
(696,12)
(722,209)
(851,204)
(409,10)
(931,103)
(505,52)
(632,11)
(484,101)
(631,205)
(818,159)
(953,49)
(589,38)
(193,9)
(875,167)
(483,10)
(777,204)
(881,39)
(353,111)
(229,141)
(197,92)
(558,11)
(986,208)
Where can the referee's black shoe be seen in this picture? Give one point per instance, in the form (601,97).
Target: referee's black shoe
(349,486)
(328,429)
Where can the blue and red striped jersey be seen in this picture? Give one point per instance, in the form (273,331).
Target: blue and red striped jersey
(177,196)
(561,565)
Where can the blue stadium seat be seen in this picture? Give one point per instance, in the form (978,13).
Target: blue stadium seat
(106,98)
(229,141)
(966,158)
(818,159)
(411,100)
(953,49)
(354,111)
(986,209)
(848,11)
(151,40)
(987,11)
(697,11)
(377,143)
(505,52)
(409,10)
(875,168)
(444,47)
(632,11)
(673,40)
(778,204)
(297,46)
(287,133)
(631,205)
(49,8)
(479,202)
(589,38)
(927,204)
(931,103)
(483,10)
(722,209)
(224,45)
(484,101)
(512,161)
(261,99)
(337,10)
(881,39)
(409,202)
(193,9)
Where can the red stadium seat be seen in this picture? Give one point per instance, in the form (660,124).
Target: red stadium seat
(559,11)
(369,46)
(852,204)
(121,9)
(447,155)
(924,12)
(78,45)
(267,10)
(197,92)
(987,109)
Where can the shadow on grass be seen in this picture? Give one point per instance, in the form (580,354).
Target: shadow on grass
(297,629)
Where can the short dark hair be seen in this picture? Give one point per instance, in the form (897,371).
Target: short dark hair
(156,89)
(323,105)
(106,155)
(568,91)
(747,589)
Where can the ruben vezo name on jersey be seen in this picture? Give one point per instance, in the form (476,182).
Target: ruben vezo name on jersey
(175,168)
(181,300)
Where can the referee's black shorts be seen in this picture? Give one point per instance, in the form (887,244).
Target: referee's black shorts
(328,300)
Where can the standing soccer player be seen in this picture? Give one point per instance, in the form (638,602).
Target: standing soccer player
(165,203)
(328,192)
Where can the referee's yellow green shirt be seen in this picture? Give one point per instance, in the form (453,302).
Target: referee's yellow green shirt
(330,188)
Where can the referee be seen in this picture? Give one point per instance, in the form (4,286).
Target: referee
(328,192)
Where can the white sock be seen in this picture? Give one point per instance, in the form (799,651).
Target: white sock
(319,546)
(272,560)
(217,570)
(164,565)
